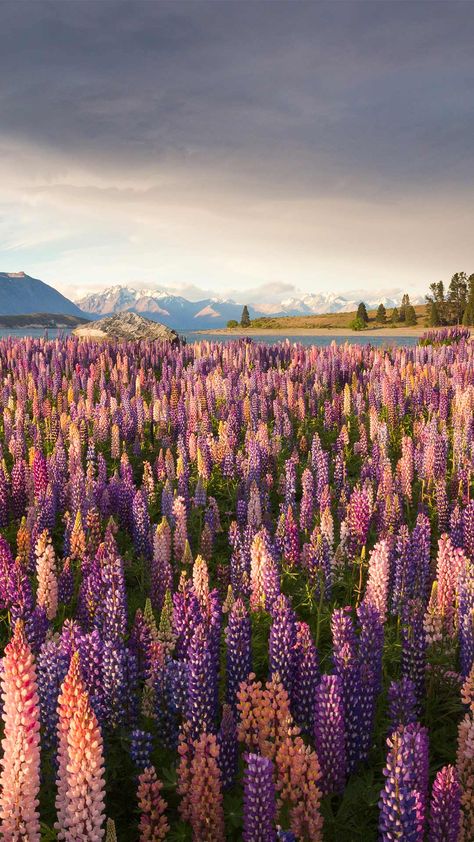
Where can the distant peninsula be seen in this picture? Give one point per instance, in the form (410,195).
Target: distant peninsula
(41,320)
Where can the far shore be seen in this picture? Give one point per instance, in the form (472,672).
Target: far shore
(389,332)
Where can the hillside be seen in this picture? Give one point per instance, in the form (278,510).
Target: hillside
(20,294)
(332,321)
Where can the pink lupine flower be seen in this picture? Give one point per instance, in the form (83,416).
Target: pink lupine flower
(47,593)
(71,690)
(153,823)
(376,591)
(20,776)
(84,808)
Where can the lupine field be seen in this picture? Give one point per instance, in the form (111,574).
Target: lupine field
(237,591)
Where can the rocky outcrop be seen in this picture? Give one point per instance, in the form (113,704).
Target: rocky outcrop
(126,326)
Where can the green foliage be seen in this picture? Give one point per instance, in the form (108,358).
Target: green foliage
(358,324)
(410,316)
(232,323)
(395,316)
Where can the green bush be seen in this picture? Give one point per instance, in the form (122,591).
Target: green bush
(358,324)
(232,323)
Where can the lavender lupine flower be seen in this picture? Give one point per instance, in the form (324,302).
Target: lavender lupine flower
(141,525)
(228,747)
(259,800)
(445,808)
(114,683)
(329,733)
(306,677)
(307,504)
(238,651)
(402,703)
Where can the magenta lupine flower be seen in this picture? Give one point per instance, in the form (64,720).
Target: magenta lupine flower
(291,541)
(20,776)
(413,660)
(445,808)
(329,733)
(359,514)
(259,800)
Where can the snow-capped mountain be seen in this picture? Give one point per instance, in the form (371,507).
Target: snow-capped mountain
(183,314)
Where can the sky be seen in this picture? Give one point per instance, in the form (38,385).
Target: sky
(246,149)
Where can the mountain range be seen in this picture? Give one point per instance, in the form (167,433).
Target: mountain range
(183,314)
(22,294)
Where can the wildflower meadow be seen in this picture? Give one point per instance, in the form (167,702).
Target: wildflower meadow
(237,591)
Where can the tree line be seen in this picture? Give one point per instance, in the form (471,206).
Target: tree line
(405,314)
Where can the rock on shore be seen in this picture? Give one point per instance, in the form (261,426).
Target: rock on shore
(127,326)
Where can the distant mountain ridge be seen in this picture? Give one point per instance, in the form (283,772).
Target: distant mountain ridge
(183,314)
(21,294)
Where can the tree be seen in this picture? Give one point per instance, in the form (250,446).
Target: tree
(468,315)
(381,314)
(433,314)
(457,296)
(358,324)
(403,307)
(362,313)
(438,298)
(245,318)
(395,316)
(410,316)
(232,323)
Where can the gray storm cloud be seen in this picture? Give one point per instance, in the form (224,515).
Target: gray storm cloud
(237,142)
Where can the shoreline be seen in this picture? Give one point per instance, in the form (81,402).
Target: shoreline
(316,331)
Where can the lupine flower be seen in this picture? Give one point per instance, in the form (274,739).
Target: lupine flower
(238,650)
(205,795)
(403,799)
(329,733)
(153,823)
(445,810)
(85,793)
(259,800)
(47,594)
(20,775)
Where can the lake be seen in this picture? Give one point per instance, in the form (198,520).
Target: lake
(191,336)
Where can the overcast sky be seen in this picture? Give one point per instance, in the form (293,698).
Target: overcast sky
(228,145)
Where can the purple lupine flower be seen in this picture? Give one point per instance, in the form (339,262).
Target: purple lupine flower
(465,598)
(347,667)
(282,642)
(52,666)
(329,733)
(402,703)
(202,684)
(413,660)
(114,683)
(228,747)
(238,652)
(306,677)
(141,748)
(259,800)
(445,807)
(403,798)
